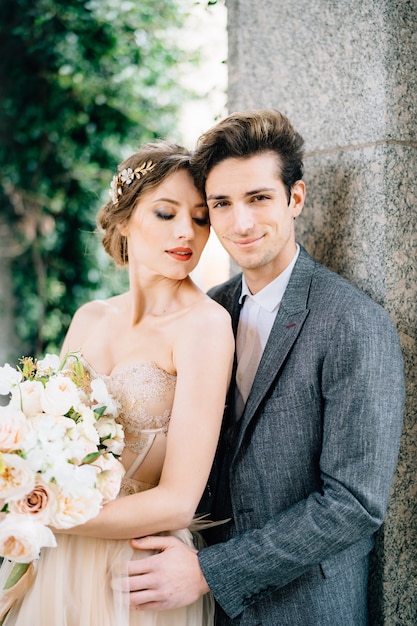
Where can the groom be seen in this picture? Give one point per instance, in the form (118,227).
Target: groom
(312,427)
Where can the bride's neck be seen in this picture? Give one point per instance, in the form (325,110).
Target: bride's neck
(162,297)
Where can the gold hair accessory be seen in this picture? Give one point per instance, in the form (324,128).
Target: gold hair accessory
(126,177)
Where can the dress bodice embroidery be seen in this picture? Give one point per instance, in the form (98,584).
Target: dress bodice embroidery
(145,394)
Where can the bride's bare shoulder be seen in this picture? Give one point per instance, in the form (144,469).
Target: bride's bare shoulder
(205,335)
(89,317)
(95,310)
(208,315)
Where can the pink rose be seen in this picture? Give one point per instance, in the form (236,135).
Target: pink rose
(38,503)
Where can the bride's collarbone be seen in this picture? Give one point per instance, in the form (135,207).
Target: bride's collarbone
(143,346)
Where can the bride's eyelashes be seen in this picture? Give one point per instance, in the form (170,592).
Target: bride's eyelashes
(200,221)
(164,216)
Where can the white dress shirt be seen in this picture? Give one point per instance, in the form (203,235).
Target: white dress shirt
(256,319)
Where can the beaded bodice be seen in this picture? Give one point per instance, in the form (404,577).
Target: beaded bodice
(145,393)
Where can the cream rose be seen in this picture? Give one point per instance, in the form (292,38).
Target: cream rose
(31,394)
(13,428)
(111,434)
(21,539)
(17,478)
(59,395)
(74,508)
(110,476)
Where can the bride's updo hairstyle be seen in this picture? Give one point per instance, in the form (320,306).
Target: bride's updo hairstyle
(140,173)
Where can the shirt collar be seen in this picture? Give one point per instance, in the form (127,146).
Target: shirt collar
(270,296)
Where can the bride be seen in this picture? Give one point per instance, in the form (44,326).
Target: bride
(165,351)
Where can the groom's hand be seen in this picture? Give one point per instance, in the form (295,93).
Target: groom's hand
(169,579)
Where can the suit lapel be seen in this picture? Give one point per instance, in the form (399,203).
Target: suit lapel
(286,328)
(233,306)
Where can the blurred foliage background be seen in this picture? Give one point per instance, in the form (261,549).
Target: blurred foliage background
(82,84)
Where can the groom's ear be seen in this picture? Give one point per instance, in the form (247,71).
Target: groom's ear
(298,194)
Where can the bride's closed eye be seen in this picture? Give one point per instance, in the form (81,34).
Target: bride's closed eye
(202,221)
(164,216)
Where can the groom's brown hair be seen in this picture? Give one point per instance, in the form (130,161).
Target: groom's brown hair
(245,134)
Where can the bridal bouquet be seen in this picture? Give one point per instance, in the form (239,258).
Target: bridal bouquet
(59,454)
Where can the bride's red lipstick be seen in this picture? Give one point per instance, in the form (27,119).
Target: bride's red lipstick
(180,254)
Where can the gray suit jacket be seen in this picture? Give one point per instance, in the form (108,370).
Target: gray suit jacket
(306,473)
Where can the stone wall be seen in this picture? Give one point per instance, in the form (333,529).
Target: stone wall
(344,71)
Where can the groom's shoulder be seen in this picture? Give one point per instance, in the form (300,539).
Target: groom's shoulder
(225,292)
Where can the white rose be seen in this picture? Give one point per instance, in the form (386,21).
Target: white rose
(59,395)
(106,427)
(87,414)
(88,431)
(110,477)
(31,394)
(21,538)
(48,365)
(84,440)
(100,394)
(9,378)
(111,434)
(115,446)
(13,428)
(17,478)
(80,447)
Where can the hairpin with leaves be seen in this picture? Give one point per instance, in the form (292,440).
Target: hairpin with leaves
(126,177)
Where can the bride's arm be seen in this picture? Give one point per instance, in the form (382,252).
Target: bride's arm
(203,356)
